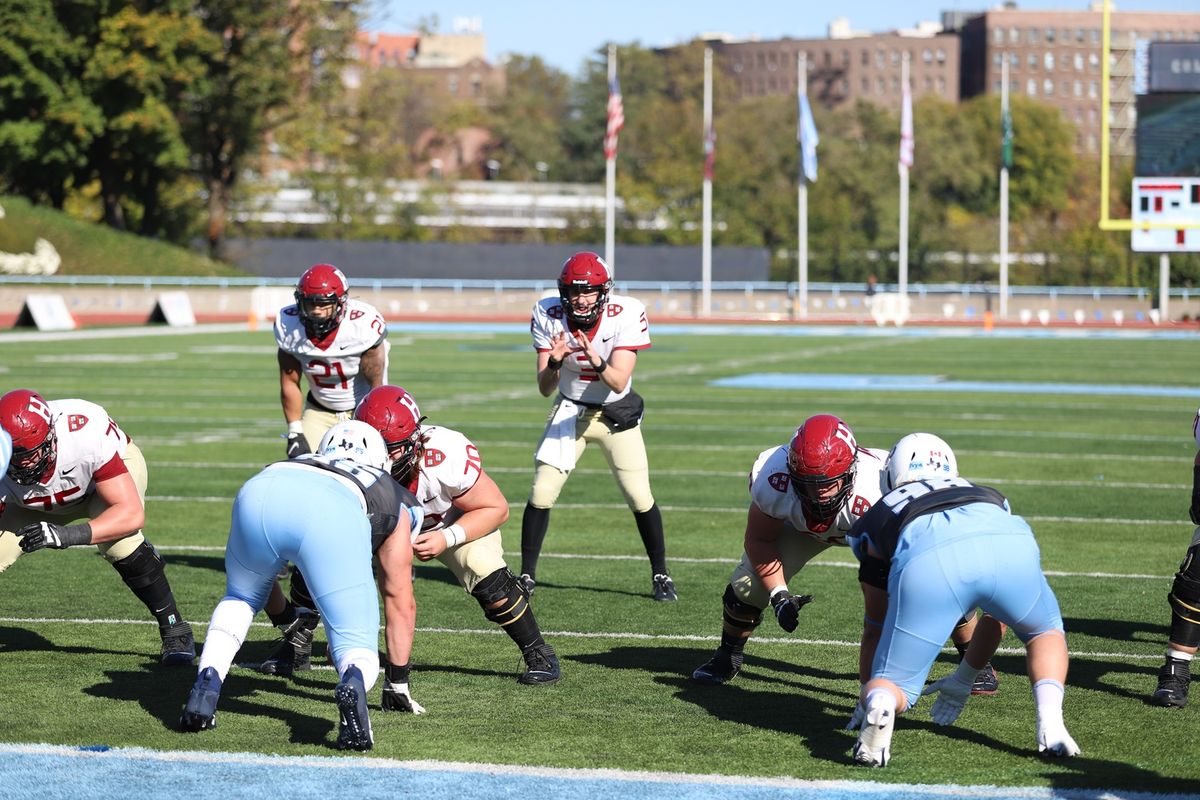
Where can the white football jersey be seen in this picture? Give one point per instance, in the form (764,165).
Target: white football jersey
(90,447)
(771,491)
(331,364)
(622,326)
(450,467)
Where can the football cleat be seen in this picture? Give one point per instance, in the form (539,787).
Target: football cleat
(1053,740)
(294,653)
(1173,680)
(663,589)
(178,646)
(200,713)
(354,723)
(541,666)
(987,682)
(527,583)
(874,745)
(721,668)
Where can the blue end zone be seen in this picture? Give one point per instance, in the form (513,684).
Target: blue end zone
(91,772)
(926,383)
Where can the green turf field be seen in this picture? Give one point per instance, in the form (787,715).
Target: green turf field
(1104,479)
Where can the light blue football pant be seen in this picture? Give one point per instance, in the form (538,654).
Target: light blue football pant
(996,566)
(318,524)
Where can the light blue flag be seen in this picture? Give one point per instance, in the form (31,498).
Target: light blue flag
(806,134)
(5,451)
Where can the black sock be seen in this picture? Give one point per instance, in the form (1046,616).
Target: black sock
(285,617)
(534,524)
(143,572)
(649,524)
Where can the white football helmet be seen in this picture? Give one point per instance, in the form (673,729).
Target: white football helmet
(918,457)
(355,441)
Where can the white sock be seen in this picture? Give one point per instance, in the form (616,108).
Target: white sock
(226,632)
(1178,655)
(367,662)
(880,698)
(1048,694)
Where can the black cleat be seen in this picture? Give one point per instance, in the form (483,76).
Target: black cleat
(527,584)
(987,682)
(200,713)
(721,668)
(541,666)
(354,724)
(1173,680)
(294,653)
(663,589)
(178,646)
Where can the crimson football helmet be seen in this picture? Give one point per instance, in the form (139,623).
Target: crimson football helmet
(822,453)
(584,272)
(394,413)
(26,416)
(321,285)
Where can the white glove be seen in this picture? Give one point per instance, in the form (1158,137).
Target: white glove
(397,698)
(1053,740)
(856,719)
(952,695)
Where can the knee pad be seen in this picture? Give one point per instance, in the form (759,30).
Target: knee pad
(547,484)
(740,614)
(501,597)
(141,568)
(1184,599)
(121,548)
(10,549)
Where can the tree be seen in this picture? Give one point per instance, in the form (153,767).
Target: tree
(528,120)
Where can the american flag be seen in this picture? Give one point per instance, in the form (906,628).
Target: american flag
(906,128)
(616,119)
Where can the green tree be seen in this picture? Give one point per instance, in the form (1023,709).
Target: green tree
(528,119)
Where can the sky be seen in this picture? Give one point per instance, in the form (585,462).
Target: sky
(565,33)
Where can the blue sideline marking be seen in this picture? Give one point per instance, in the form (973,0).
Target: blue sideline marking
(85,772)
(927,383)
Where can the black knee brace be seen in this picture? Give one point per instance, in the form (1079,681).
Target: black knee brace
(143,572)
(506,604)
(1184,598)
(739,614)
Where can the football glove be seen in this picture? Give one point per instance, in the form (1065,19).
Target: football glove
(1055,741)
(787,608)
(297,445)
(952,695)
(37,535)
(397,698)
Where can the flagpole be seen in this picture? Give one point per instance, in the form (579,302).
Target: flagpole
(801,310)
(706,238)
(1005,150)
(903,272)
(610,178)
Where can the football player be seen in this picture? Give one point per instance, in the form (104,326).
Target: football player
(75,478)
(1174,676)
(804,496)
(348,510)
(587,341)
(338,344)
(945,546)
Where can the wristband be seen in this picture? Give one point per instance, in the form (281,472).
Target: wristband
(455,535)
(553,363)
(295,427)
(396,674)
(777,590)
(603,366)
(80,533)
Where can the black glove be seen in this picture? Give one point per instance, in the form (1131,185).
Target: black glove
(787,608)
(297,445)
(37,535)
(1195,510)
(396,697)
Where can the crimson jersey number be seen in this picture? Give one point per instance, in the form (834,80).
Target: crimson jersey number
(320,371)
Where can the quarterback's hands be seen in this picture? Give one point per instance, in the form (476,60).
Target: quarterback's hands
(37,535)
(297,445)
(952,695)
(787,608)
(397,698)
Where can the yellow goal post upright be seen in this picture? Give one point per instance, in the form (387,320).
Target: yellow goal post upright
(1106,222)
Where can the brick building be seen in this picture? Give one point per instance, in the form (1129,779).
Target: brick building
(1054,57)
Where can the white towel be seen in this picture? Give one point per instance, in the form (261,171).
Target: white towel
(558,442)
